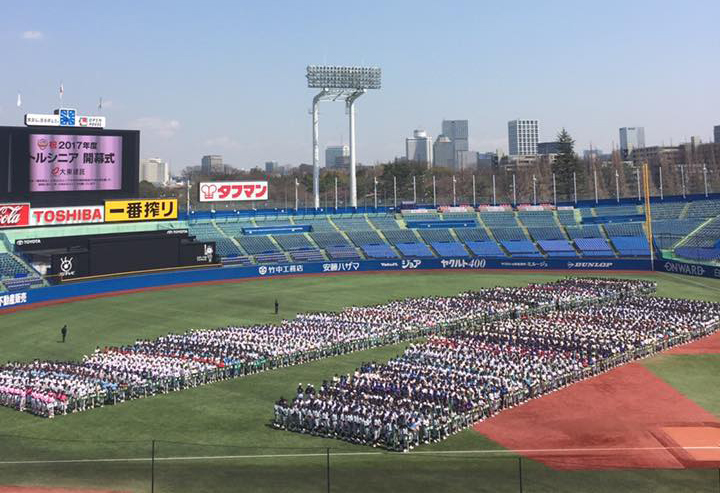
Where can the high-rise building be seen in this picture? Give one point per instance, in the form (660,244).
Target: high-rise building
(212,165)
(487,159)
(155,171)
(457,132)
(523,137)
(418,148)
(335,155)
(631,138)
(466,160)
(443,152)
(716,133)
(272,167)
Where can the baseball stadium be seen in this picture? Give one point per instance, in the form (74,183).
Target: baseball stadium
(505,347)
(548,325)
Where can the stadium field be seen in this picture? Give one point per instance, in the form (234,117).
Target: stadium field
(216,438)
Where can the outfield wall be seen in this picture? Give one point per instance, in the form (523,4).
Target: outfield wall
(117,285)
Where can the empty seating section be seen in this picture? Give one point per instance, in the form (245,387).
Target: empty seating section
(521,248)
(317,224)
(453,249)
(631,246)
(327,239)
(384,222)
(414,250)
(509,234)
(353,224)
(487,248)
(225,247)
(566,218)
(343,252)
(471,234)
(293,242)
(361,238)
(667,233)
(242,260)
(585,231)
(625,229)
(421,216)
(703,209)
(546,233)
(401,236)
(378,251)
(557,248)
(708,236)
(439,235)
(670,210)
(616,210)
(235,228)
(459,216)
(537,218)
(270,258)
(586,212)
(499,219)
(313,255)
(594,247)
(257,244)
(10,267)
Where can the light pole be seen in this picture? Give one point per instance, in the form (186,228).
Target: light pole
(575,187)
(595,180)
(534,190)
(336,194)
(494,196)
(514,191)
(394,191)
(454,196)
(705,179)
(554,191)
(661,183)
(637,174)
(414,191)
(474,191)
(296,194)
(339,84)
(617,187)
(434,193)
(375,188)
(682,178)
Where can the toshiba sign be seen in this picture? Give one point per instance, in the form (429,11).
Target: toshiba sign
(56,216)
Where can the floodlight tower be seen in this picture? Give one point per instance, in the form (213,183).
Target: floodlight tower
(339,84)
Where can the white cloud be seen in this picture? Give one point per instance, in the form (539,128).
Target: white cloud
(223,142)
(32,35)
(157,126)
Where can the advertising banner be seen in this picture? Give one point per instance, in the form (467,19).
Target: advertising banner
(68,163)
(55,216)
(70,265)
(141,210)
(14,215)
(233,191)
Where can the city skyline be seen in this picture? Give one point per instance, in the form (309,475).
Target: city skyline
(208,93)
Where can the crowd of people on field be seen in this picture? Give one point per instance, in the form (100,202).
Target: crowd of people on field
(447,383)
(176,361)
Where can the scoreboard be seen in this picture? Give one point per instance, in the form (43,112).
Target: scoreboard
(64,166)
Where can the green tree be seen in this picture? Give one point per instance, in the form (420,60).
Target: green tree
(566,163)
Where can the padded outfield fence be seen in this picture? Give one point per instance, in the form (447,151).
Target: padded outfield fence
(174,466)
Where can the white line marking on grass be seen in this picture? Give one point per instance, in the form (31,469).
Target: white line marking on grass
(559,451)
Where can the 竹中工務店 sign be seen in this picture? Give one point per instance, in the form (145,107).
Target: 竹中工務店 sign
(140,210)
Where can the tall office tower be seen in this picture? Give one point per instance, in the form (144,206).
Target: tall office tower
(212,165)
(716,132)
(418,148)
(272,167)
(155,171)
(335,155)
(631,138)
(523,137)
(457,132)
(443,152)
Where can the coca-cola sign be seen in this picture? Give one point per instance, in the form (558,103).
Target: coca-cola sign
(14,215)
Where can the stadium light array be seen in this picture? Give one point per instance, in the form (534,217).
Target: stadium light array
(337,77)
(337,83)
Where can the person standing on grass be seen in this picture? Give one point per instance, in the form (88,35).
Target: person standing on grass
(63,332)
(277,306)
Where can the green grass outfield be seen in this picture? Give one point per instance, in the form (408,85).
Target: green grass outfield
(230,418)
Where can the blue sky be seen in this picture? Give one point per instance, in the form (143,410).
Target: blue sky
(228,77)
